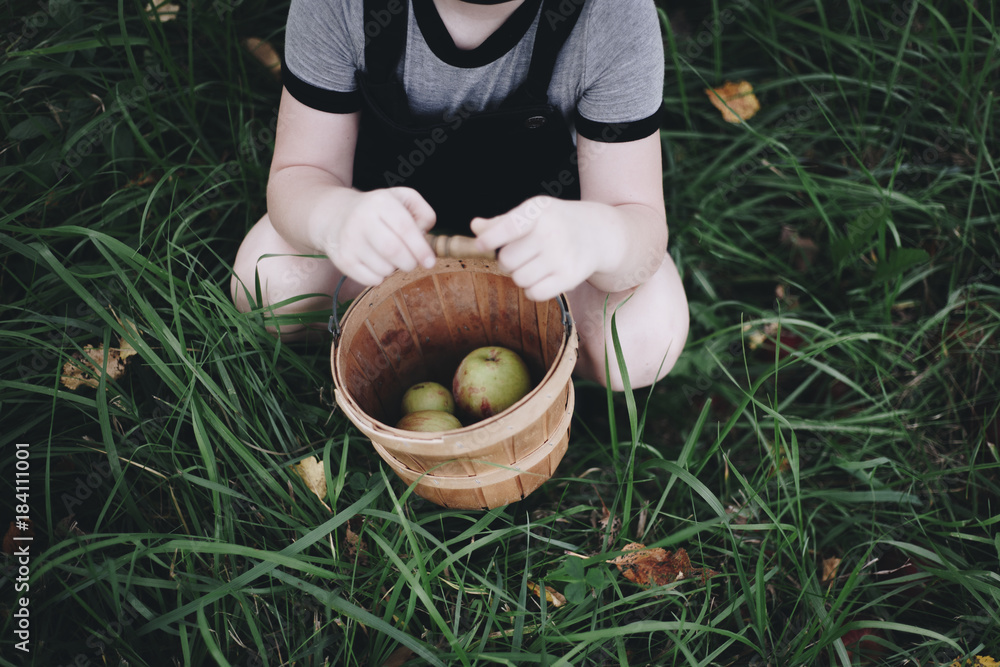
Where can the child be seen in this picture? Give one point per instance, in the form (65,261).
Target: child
(531,124)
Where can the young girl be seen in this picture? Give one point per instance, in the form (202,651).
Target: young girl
(530,124)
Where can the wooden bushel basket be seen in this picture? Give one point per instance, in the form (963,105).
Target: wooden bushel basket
(417,326)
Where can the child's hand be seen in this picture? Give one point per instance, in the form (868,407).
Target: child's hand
(382,230)
(548,245)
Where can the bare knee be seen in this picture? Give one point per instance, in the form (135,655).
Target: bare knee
(270,273)
(652,327)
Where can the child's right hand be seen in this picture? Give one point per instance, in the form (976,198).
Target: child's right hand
(381,231)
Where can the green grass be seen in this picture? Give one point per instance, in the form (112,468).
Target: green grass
(856,219)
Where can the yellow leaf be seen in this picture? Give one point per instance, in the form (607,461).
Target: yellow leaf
(312,473)
(162,11)
(737,103)
(73,375)
(552,596)
(265,54)
(830,567)
(980,661)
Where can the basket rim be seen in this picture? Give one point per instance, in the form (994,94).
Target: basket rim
(418,440)
(502,473)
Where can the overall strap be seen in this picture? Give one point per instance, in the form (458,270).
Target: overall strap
(385,24)
(556,22)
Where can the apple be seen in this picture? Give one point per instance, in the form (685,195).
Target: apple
(427,396)
(429,421)
(489,380)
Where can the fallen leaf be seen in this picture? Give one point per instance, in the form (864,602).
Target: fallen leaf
(97,358)
(737,103)
(144,178)
(781,463)
(603,521)
(68,527)
(830,567)
(311,471)
(803,248)
(979,661)
(354,546)
(9,543)
(162,11)
(552,596)
(765,340)
(265,54)
(398,657)
(657,567)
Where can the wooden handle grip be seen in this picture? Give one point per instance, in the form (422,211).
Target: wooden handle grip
(458,247)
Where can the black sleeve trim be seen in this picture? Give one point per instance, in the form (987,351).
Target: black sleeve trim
(318,98)
(615,133)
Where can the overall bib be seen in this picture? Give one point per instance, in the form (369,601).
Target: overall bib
(479,164)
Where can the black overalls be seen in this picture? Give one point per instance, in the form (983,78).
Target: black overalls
(480,164)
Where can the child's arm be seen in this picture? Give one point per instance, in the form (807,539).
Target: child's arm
(614,238)
(367,235)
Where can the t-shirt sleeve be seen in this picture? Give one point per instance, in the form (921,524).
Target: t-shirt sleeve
(622,96)
(322,53)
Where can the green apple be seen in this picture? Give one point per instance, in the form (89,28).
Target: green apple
(428,396)
(429,420)
(489,380)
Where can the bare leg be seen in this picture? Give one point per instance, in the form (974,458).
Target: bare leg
(284,275)
(652,328)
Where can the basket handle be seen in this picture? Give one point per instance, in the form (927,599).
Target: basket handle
(451,247)
(458,247)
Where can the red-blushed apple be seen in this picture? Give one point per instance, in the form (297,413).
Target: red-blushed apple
(430,421)
(427,396)
(489,380)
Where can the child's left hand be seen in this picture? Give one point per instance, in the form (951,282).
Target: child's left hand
(548,245)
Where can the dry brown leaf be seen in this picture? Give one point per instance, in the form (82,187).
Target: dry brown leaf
(162,11)
(68,527)
(781,463)
(657,567)
(738,102)
(398,657)
(311,471)
(552,596)
(802,247)
(73,375)
(830,567)
(9,543)
(354,546)
(265,54)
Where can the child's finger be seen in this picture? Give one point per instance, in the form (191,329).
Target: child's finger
(413,248)
(517,255)
(530,273)
(421,212)
(375,261)
(493,233)
(548,288)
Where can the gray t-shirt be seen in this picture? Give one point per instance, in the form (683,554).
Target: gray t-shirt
(608,79)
